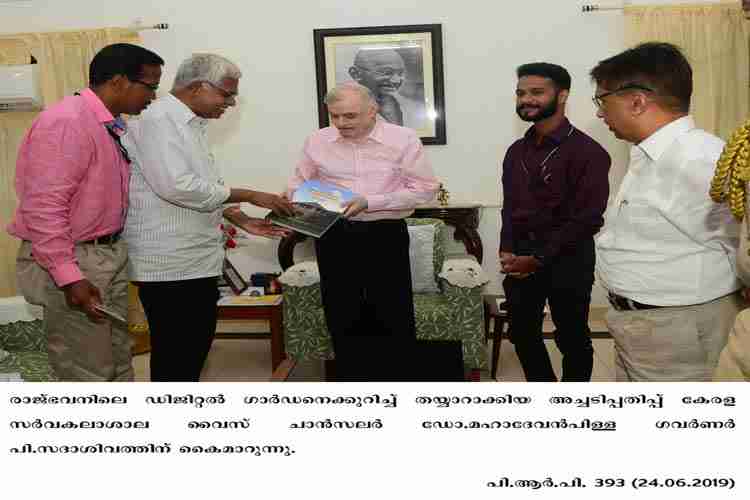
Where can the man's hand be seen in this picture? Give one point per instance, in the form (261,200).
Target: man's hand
(278,204)
(254,225)
(523,264)
(745,292)
(84,296)
(355,206)
(506,263)
(506,258)
(262,227)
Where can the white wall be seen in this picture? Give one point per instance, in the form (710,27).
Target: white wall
(483,42)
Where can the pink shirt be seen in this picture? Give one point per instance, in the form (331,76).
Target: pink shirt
(71,183)
(388,167)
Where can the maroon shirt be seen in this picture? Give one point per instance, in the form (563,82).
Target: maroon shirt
(560,202)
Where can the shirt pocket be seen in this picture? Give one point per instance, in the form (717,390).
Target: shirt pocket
(383,165)
(648,223)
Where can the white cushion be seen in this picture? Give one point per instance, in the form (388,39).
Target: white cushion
(302,274)
(16,308)
(465,273)
(421,255)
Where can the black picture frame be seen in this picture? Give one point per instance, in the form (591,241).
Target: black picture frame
(233,278)
(419,98)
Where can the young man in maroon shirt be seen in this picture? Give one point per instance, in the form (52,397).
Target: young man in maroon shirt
(555,190)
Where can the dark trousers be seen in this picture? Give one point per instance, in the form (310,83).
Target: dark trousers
(365,282)
(181,319)
(566,283)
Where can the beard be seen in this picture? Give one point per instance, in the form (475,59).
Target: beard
(543,112)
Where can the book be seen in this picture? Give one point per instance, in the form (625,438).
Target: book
(317,207)
(248,300)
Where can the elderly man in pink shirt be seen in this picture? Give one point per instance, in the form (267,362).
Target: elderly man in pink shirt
(364,258)
(72,177)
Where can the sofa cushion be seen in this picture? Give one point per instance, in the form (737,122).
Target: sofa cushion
(426,253)
(421,258)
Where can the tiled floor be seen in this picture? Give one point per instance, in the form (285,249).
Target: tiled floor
(235,360)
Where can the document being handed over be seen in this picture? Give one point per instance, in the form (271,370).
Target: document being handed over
(317,207)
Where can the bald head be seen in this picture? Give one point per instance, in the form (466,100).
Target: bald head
(380,70)
(350,88)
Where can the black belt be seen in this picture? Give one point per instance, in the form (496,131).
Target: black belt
(624,304)
(107,239)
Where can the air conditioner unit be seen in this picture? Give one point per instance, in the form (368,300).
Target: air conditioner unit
(19,88)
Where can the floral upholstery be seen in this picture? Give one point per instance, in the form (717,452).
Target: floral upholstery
(455,313)
(27,348)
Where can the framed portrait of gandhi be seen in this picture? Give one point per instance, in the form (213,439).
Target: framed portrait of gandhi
(401,65)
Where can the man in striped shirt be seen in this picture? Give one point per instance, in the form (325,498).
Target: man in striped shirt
(177,200)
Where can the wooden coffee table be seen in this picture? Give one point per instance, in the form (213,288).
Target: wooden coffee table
(273,314)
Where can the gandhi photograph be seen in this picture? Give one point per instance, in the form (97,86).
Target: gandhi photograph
(394,75)
(402,66)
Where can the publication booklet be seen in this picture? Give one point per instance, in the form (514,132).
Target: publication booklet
(317,207)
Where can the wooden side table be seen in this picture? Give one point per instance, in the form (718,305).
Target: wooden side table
(273,314)
(463,217)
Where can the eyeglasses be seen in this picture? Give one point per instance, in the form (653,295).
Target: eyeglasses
(153,87)
(599,99)
(228,96)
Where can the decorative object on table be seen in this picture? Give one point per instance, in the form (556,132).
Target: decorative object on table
(317,207)
(269,282)
(254,291)
(443,195)
(233,278)
(402,66)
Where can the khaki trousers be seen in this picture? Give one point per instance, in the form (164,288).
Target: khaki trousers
(79,349)
(734,362)
(671,343)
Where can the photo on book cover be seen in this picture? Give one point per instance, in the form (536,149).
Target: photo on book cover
(317,207)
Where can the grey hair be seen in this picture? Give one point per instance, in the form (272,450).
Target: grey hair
(336,93)
(205,68)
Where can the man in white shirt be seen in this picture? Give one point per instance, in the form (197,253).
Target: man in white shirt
(666,253)
(177,199)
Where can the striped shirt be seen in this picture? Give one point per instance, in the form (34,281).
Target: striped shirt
(176,196)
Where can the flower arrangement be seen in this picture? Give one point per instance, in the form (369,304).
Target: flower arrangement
(229,232)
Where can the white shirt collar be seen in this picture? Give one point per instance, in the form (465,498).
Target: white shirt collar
(658,142)
(182,112)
